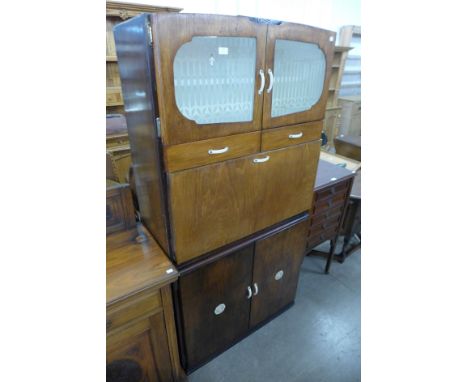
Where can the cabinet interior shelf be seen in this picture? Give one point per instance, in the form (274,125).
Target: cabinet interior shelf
(111,58)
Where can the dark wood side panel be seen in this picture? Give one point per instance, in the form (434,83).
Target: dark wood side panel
(279,255)
(201,292)
(136,72)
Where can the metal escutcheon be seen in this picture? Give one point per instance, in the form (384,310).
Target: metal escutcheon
(279,275)
(219,309)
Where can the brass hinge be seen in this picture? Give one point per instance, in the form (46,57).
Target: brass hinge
(150,33)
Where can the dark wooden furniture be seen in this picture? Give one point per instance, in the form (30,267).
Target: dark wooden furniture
(224,117)
(141,335)
(352,221)
(348,146)
(120,214)
(234,291)
(331,193)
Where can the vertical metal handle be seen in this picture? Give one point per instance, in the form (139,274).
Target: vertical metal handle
(249,292)
(255,289)
(272,80)
(262,83)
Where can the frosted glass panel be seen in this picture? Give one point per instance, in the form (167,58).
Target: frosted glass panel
(299,72)
(214,79)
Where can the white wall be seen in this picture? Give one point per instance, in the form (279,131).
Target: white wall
(328,14)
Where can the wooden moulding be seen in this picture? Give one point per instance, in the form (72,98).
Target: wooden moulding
(215,255)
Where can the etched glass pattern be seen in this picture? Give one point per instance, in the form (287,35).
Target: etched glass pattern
(214,79)
(299,72)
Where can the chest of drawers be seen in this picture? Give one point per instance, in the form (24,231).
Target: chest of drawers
(331,194)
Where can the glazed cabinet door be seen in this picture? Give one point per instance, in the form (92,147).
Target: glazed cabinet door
(277,261)
(298,68)
(209,73)
(215,305)
(139,352)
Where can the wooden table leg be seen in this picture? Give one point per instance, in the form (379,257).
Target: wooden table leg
(330,254)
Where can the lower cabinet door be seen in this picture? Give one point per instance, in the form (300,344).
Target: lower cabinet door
(215,305)
(139,352)
(277,261)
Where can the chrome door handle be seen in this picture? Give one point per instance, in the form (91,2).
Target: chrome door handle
(272,79)
(220,151)
(295,136)
(261,160)
(255,289)
(249,292)
(262,79)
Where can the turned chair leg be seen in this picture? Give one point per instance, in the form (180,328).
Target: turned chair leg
(330,254)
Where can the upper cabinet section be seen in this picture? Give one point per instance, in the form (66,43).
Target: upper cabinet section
(298,67)
(223,75)
(209,71)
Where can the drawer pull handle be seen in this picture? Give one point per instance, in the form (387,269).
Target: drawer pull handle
(279,275)
(272,79)
(249,292)
(261,160)
(219,309)
(262,79)
(295,136)
(220,151)
(255,289)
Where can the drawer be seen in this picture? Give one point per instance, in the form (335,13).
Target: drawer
(331,202)
(329,213)
(200,153)
(125,311)
(339,188)
(329,223)
(315,240)
(291,135)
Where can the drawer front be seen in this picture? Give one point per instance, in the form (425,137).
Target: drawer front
(195,154)
(291,135)
(134,307)
(331,202)
(214,205)
(331,191)
(321,237)
(331,222)
(323,216)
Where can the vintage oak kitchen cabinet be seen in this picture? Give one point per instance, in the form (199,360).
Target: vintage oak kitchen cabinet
(225,115)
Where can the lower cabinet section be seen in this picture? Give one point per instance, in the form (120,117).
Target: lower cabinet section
(220,302)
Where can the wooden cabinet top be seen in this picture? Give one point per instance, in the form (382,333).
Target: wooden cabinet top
(127,10)
(134,263)
(328,174)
